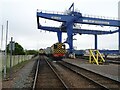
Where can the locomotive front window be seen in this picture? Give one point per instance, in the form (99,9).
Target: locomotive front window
(55,46)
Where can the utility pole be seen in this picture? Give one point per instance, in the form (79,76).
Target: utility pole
(2,38)
(1,52)
(5,51)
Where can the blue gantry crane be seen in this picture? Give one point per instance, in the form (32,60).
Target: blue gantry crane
(72,17)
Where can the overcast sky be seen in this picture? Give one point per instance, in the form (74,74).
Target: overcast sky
(21,15)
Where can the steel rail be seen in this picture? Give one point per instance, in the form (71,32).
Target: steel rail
(86,77)
(36,75)
(113,62)
(91,72)
(56,74)
(95,73)
(72,69)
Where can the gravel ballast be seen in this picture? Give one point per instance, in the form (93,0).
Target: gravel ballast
(22,78)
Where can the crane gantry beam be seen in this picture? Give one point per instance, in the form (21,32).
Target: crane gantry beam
(79,31)
(77,17)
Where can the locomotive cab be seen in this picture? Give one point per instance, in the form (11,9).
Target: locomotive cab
(58,50)
(41,52)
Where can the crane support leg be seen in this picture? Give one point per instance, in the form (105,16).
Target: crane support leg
(96,41)
(59,35)
(38,22)
(70,37)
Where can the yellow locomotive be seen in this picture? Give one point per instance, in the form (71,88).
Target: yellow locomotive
(41,52)
(57,51)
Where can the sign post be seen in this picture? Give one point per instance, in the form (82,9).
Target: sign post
(11,48)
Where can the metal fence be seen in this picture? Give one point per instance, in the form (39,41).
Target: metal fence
(16,59)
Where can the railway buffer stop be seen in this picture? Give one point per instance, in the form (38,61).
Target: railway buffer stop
(71,18)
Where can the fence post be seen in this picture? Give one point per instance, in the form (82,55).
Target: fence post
(24,58)
(18,59)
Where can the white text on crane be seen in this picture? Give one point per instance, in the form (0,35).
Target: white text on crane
(54,17)
(95,21)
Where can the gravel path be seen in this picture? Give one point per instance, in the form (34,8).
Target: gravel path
(21,79)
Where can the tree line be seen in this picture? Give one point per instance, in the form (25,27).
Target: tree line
(19,50)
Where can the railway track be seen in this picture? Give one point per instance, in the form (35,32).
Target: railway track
(46,77)
(113,62)
(108,60)
(74,80)
(102,81)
